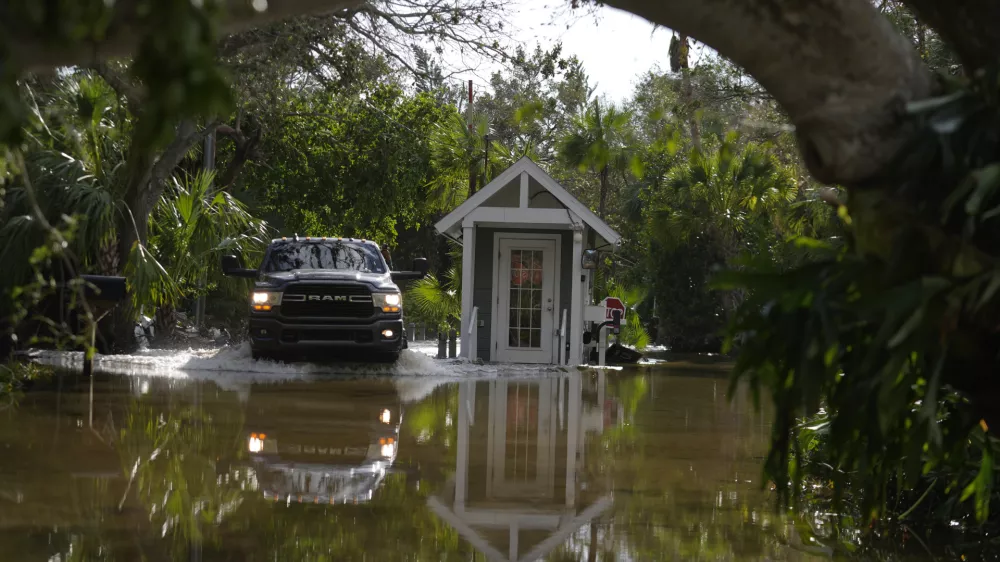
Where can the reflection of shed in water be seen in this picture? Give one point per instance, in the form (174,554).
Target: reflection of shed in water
(517,488)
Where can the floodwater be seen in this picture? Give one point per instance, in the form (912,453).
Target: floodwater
(207,456)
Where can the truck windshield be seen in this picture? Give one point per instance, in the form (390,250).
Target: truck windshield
(348,256)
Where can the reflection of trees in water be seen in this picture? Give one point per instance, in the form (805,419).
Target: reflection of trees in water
(678,467)
(171,460)
(187,493)
(430,431)
(292,256)
(173,488)
(397,526)
(684,474)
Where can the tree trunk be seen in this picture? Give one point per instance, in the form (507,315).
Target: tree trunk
(165,322)
(146,178)
(132,229)
(603,203)
(472,179)
(687,91)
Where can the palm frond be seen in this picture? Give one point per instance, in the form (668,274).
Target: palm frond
(149,283)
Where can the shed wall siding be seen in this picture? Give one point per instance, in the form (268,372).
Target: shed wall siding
(486,259)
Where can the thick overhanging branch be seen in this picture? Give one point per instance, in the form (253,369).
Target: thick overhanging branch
(34,53)
(132,94)
(187,136)
(245,149)
(838,69)
(971,27)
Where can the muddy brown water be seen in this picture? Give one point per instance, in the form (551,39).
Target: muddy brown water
(648,463)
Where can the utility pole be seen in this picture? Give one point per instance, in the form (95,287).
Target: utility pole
(209,166)
(472,165)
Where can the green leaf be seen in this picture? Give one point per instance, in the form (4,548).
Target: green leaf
(987,180)
(981,486)
(990,290)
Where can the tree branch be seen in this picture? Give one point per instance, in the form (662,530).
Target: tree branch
(838,69)
(245,149)
(187,136)
(971,27)
(132,94)
(32,52)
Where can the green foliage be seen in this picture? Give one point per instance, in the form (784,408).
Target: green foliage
(732,194)
(74,161)
(349,167)
(436,302)
(893,334)
(13,376)
(195,224)
(175,57)
(534,100)
(633,333)
(727,201)
(600,141)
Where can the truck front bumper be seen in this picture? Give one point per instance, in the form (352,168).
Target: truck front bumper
(272,334)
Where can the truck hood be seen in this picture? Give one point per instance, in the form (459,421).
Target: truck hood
(280,278)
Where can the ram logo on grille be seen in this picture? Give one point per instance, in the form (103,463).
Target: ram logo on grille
(334,298)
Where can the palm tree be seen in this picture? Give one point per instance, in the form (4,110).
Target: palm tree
(458,152)
(732,194)
(193,226)
(633,333)
(75,163)
(732,197)
(436,302)
(599,141)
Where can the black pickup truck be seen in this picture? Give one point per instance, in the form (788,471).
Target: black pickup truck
(323,295)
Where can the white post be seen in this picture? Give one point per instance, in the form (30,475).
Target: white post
(574,395)
(602,347)
(468,271)
(562,339)
(576,301)
(473,335)
(466,394)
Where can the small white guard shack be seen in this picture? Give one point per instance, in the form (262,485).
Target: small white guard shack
(524,286)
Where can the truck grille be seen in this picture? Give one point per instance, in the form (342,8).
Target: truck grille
(336,301)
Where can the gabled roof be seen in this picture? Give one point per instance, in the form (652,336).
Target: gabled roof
(525,164)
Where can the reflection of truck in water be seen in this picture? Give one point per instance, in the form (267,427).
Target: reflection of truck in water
(306,448)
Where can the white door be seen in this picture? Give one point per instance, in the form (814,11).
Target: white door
(525,311)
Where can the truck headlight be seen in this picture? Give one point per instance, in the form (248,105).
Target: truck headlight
(265,300)
(388,302)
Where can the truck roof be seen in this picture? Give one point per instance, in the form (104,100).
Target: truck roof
(323,239)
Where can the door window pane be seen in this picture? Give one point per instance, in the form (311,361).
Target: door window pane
(524,314)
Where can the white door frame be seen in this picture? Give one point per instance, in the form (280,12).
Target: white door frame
(557,281)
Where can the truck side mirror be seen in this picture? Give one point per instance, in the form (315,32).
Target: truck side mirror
(229,263)
(421,266)
(104,288)
(231,268)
